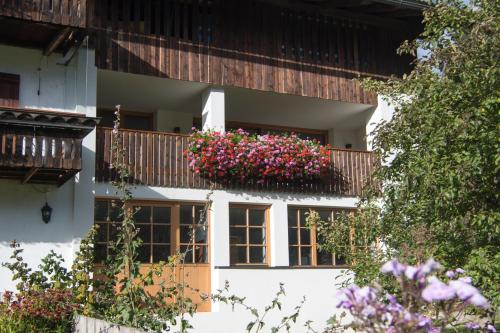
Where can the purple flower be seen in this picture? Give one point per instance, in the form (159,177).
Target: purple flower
(394,267)
(450,274)
(466,279)
(469,293)
(490,328)
(472,326)
(459,271)
(437,291)
(429,266)
(411,272)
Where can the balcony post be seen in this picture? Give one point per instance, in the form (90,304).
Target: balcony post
(383,112)
(213,112)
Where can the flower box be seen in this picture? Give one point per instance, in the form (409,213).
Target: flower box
(241,157)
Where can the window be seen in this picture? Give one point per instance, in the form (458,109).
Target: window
(143,121)
(164,229)
(9,90)
(193,234)
(248,235)
(259,129)
(303,241)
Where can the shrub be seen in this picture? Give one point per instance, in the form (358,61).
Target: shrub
(45,311)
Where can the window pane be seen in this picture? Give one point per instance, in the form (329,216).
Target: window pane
(100,253)
(161,215)
(325,215)
(200,216)
(142,214)
(292,217)
(324,258)
(144,253)
(237,216)
(187,251)
(101,211)
(340,260)
(161,234)
(305,256)
(305,236)
(144,232)
(303,216)
(161,253)
(136,122)
(201,254)
(238,235)
(102,232)
(292,236)
(257,235)
(201,234)
(113,230)
(257,254)
(238,254)
(186,214)
(257,217)
(293,255)
(186,233)
(114,211)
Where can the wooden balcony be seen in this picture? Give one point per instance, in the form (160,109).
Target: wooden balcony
(157,159)
(41,147)
(62,12)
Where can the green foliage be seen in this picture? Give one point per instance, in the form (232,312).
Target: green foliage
(257,324)
(46,298)
(123,297)
(440,152)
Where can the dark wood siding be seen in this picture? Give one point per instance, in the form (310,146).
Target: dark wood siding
(62,12)
(248,44)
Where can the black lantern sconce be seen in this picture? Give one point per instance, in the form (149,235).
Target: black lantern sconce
(46,212)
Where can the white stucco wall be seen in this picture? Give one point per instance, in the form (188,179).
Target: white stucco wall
(257,284)
(69,88)
(340,137)
(167,120)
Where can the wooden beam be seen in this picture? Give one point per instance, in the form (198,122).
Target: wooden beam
(29,175)
(56,41)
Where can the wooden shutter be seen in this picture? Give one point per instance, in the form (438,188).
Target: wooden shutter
(9,90)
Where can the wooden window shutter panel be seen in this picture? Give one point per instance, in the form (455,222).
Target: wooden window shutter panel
(9,90)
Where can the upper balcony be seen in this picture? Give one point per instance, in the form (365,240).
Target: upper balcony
(158,159)
(158,114)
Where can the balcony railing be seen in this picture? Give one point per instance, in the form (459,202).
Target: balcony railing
(157,159)
(63,12)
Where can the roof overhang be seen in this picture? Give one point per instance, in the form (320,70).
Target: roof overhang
(75,125)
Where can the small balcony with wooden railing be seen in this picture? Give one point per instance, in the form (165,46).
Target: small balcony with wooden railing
(41,147)
(158,159)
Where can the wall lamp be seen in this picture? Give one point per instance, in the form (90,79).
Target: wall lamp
(46,212)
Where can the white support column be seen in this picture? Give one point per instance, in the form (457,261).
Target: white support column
(219,241)
(219,230)
(279,234)
(86,97)
(383,112)
(213,113)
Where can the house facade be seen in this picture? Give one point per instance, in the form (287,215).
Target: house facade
(269,66)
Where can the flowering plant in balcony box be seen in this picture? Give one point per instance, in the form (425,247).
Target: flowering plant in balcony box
(237,155)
